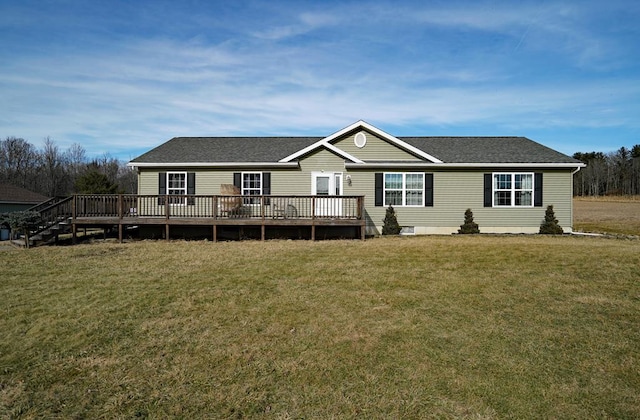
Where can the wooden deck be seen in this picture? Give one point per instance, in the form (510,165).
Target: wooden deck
(214,211)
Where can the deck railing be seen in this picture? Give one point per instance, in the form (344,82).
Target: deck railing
(124,206)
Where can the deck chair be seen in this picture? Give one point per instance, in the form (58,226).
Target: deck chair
(231,200)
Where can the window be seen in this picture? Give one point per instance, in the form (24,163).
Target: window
(512,190)
(251,185)
(404,189)
(176,185)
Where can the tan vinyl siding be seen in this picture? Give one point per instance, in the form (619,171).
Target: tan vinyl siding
(374,149)
(454,192)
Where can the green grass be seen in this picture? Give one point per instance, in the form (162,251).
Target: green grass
(453,327)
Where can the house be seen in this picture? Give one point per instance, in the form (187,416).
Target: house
(14,198)
(430,181)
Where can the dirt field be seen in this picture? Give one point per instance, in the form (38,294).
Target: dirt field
(617,215)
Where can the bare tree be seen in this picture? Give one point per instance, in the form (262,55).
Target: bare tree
(18,162)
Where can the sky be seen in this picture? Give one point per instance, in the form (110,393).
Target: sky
(121,77)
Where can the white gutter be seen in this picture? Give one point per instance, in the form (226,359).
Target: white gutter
(382,165)
(214,165)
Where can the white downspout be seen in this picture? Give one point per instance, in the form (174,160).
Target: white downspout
(572,174)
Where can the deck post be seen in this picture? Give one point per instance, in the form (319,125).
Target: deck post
(167,211)
(215,233)
(363,220)
(313,218)
(120,215)
(74,228)
(262,227)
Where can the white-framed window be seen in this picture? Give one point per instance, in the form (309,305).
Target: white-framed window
(251,185)
(177,185)
(404,189)
(513,189)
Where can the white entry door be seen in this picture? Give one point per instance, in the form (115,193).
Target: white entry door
(327,186)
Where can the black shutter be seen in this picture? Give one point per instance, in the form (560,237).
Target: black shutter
(428,190)
(162,187)
(266,186)
(537,189)
(266,183)
(488,190)
(191,183)
(191,187)
(237,180)
(379,190)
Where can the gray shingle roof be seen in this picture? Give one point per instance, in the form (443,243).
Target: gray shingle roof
(225,149)
(12,194)
(487,150)
(272,149)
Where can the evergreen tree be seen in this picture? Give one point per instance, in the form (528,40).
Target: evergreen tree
(390,223)
(550,224)
(95,182)
(469,225)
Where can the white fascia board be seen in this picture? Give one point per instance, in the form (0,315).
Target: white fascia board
(317,145)
(342,153)
(214,165)
(364,125)
(383,165)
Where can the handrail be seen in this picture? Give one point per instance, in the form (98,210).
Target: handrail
(125,206)
(53,212)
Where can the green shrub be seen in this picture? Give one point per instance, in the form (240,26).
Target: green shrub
(390,224)
(550,224)
(469,225)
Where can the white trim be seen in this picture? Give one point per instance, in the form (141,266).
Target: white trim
(243,189)
(343,153)
(183,200)
(360,139)
(403,190)
(363,125)
(382,165)
(512,190)
(215,165)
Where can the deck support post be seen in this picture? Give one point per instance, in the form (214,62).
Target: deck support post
(215,233)
(120,232)
(313,218)
(74,233)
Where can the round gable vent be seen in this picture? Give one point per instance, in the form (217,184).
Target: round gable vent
(360,140)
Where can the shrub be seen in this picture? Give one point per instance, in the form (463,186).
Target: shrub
(550,224)
(390,224)
(469,225)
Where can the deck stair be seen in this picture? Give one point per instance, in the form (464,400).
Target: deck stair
(55,220)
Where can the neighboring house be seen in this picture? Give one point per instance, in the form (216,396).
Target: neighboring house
(430,181)
(14,198)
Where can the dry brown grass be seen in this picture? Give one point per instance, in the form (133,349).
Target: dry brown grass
(450,327)
(614,215)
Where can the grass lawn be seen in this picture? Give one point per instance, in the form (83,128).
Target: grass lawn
(453,326)
(614,214)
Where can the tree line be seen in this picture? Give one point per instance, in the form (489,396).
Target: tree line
(54,172)
(614,173)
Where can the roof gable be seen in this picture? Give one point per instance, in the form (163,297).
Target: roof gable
(362,125)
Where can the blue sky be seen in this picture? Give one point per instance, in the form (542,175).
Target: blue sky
(121,77)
